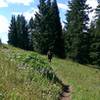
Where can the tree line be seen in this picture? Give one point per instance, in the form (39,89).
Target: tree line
(40,34)
(77,40)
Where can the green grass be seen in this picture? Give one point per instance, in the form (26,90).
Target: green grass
(20,81)
(27,75)
(84,80)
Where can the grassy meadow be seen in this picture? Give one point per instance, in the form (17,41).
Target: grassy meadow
(20,81)
(27,75)
(84,80)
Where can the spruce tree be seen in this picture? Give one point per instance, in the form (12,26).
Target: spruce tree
(31,29)
(22,32)
(40,27)
(95,45)
(59,48)
(92,52)
(18,32)
(48,29)
(77,35)
(12,34)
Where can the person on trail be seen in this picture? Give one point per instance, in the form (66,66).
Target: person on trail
(49,54)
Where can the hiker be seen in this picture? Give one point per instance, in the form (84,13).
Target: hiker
(49,54)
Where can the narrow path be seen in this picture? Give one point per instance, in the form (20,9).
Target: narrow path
(65,95)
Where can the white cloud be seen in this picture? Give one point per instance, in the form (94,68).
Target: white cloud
(62,6)
(3,4)
(30,14)
(4,24)
(16,13)
(93,4)
(27,14)
(25,2)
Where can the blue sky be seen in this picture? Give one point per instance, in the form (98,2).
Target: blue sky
(27,8)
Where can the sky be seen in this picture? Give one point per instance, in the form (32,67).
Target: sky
(28,9)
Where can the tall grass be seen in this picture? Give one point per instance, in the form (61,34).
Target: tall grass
(84,80)
(19,80)
(28,76)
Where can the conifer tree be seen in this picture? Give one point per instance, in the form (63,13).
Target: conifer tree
(48,28)
(95,45)
(77,31)
(92,52)
(40,27)
(22,32)
(31,29)
(18,32)
(59,48)
(12,34)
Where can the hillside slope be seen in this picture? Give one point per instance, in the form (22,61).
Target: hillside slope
(84,80)
(25,76)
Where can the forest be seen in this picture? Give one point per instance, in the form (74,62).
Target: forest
(78,40)
(74,71)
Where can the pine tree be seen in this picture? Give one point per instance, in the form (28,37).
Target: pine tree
(48,29)
(22,32)
(18,32)
(40,27)
(92,44)
(77,35)
(98,34)
(59,48)
(31,29)
(12,34)
(95,45)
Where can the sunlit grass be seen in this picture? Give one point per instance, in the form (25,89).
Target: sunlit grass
(22,82)
(84,81)
(19,81)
